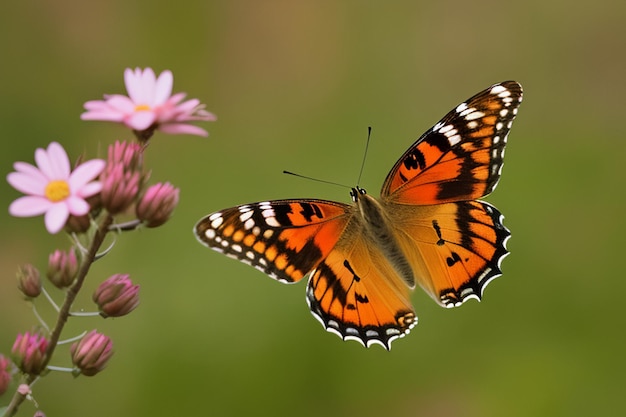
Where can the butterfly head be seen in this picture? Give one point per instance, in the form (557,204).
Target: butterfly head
(356,193)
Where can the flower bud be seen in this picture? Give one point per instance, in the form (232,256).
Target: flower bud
(78,224)
(28,281)
(91,353)
(122,177)
(62,268)
(116,296)
(5,374)
(29,352)
(129,154)
(157,204)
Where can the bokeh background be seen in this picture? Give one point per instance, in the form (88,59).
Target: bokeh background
(295,85)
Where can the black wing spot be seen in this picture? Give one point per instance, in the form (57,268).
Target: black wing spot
(453,259)
(349,268)
(414,160)
(310,210)
(361,298)
(440,242)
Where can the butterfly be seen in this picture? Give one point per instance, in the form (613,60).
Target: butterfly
(428,228)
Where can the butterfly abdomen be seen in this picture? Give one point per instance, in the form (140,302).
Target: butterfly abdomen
(378,226)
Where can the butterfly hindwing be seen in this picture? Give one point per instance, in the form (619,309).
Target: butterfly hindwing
(285,239)
(460,158)
(455,249)
(356,293)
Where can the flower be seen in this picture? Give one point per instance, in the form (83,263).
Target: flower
(91,353)
(157,204)
(116,296)
(122,177)
(62,268)
(28,281)
(52,188)
(29,351)
(5,374)
(149,105)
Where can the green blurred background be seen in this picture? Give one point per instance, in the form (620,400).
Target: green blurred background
(295,85)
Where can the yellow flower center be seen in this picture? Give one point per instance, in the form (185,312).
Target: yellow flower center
(57,190)
(142,107)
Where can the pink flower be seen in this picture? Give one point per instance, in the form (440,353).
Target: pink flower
(91,353)
(62,268)
(150,104)
(157,204)
(122,177)
(116,296)
(5,374)
(29,351)
(52,188)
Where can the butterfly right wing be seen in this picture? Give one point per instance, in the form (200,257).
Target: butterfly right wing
(460,158)
(285,239)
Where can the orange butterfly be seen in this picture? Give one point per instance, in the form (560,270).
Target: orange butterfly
(363,259)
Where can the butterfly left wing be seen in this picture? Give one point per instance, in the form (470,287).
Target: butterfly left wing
(460,158)
(285,239)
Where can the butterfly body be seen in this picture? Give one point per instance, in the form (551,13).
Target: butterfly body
(427,228)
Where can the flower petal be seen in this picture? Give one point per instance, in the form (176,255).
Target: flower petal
(56,217)
(77,206)
(31,170)
(90,189)
(27,184)
(140,120)
(121,104)
(140,85)
(182,128)
(53,163)
(100,110)
(84,173)
(59,160)
(29,206)
(163,88)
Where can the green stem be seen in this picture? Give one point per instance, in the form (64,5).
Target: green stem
(64,312)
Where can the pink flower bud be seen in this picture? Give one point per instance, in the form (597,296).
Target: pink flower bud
(122,177)
(116,296)
(29,282)
(129,154)
(29,352)
(62,268)
(5,374)
(91,353)
(157,204)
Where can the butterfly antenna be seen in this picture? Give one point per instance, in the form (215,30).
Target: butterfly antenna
(315,179)
(367,145)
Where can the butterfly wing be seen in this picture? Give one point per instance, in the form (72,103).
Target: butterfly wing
(352,290)
(455,249)
(454,244)
(285,239)
(460,158)
(357,294)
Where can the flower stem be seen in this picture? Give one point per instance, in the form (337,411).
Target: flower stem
(64,311)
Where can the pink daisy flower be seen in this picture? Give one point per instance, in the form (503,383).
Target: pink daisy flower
(150,104)
(52,188)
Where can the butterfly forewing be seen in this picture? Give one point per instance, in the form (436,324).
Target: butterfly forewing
(285,239)
(460,158)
